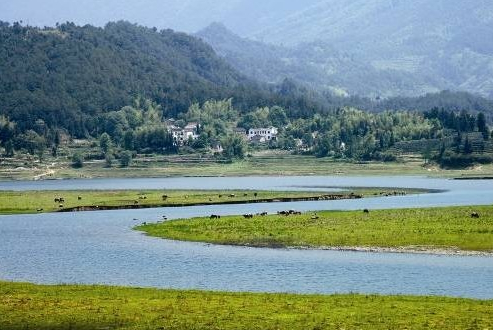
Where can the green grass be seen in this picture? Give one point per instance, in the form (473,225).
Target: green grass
(450,227)
(13,202)
(27,306)
(25,202)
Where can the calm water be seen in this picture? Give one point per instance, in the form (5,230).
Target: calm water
(101,247)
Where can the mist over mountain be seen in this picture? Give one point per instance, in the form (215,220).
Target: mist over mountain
(373,47)
(317,65)
(447,43)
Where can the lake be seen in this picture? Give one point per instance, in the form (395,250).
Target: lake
(102,248)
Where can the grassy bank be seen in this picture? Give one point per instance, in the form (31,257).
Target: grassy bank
(434,228)
(262,164)
(26,306)
(24,202)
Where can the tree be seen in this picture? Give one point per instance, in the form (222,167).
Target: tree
(77,160)
(108,159)
(467,146)
(482,127)
(234,146)
(105,143)
(125,158)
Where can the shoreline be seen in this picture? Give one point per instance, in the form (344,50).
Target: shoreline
(325,197)
(445,251)
(412,250)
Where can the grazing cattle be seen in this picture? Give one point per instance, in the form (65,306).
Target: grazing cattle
(56,200)
(232,195)
(164,197)
(62,200)
(245,195)
(136,202)
(210,199)
(315,217)
(255,194)
(39,210)
(214,216)
(475,215)
(263,214)
(220,196)
(248,216)
(60,205)
(283,213)
(366,211)
(79,198)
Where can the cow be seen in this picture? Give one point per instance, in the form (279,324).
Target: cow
(248,216)
(214,216)
(475,215)
(164,197)
(366,211)
(79,198)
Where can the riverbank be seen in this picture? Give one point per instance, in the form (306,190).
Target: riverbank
(267,163)
(29,306)
(29,202)
(450,230)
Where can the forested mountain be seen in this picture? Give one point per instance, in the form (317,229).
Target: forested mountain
(317,65)
(366,47)
(67,75)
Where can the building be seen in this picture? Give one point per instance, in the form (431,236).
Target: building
(183,135)
(260,135)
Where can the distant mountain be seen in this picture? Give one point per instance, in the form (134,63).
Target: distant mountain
(446,43)
(405,47)
(243,16)
(317,65)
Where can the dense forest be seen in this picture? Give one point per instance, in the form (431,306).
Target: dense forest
(68,75)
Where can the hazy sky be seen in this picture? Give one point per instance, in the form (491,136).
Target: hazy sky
(183,15)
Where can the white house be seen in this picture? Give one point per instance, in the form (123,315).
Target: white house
(263,134)
(182,135)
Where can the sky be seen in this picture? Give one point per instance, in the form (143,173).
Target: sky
(242,16)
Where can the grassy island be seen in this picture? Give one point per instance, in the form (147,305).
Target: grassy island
(432,228)
(27,306)
(23,202)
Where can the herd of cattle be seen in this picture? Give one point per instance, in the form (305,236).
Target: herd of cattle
(61,201)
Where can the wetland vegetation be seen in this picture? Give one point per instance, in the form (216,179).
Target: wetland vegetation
(18,202)
(453,228)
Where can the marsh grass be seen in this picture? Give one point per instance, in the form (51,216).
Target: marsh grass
(439,228)
(27,306)
(22,202)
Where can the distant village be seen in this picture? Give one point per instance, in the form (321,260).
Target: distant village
(190,132)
